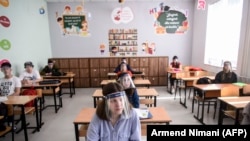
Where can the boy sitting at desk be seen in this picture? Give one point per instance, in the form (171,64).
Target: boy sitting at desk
(29,75)
(9,85)
(50,69)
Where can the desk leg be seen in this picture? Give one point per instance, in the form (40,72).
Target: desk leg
(185,90)
(202,114)
(73,82)
(70,88)
(94,102)
(237,112)
(38,125)
(76,131)
(40,113)
(155,101)
(222,106)
(24,127)
(54,93)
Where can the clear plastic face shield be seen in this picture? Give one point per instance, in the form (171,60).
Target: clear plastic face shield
(227,66)
(117,103)
(127,83)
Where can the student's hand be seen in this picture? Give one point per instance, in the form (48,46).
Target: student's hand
(25,81)
(48,74)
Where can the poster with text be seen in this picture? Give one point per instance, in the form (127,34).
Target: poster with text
(73,23)
(169,21)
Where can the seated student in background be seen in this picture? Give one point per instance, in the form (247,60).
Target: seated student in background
(50,69)
(226,75)
(29,75)
(175,65)
(115,119)
(130,89)
(124,61)
(124,69)
(9,85)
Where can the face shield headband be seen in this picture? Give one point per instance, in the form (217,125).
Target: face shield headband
(124,101)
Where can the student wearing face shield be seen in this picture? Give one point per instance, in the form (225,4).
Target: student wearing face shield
(115,119)
(130,89)
(226,75)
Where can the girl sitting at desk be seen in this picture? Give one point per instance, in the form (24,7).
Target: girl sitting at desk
(115,119)
(175,65)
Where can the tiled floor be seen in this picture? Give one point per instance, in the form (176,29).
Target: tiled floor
(59,127)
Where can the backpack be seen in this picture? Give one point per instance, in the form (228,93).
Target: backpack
(202,80)
(29,92)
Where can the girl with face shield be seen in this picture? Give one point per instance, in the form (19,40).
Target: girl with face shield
(226,75)
(130,89)
(115,119)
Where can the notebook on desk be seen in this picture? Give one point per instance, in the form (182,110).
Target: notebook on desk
(3,98)
(143,113)
(49,81)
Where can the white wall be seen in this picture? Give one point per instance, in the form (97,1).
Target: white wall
(100,23)
(28,34)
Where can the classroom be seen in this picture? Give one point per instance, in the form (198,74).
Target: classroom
(169,48)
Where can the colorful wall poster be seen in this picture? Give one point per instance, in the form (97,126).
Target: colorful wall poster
(122,15)
(73,23)
(169,21)
(5,44)
(201,5)
(148,48)
(123,42)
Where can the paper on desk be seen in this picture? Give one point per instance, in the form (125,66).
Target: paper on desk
(3,98)
(143,113)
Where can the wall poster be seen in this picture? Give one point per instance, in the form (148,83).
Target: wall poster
(169,21)
(73,23)
(123,42)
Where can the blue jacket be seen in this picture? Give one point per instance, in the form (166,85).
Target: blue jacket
(134,99)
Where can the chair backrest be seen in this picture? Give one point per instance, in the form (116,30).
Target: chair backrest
(230,91)
(182,74)
(246,90)
(201,73)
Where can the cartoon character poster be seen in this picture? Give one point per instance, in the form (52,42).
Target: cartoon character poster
(73,22)
(148,48)
(122,15)
(168,20)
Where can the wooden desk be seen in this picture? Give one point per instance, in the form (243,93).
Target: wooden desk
(114,75)
(159,114)
(238,103)
(137,82)
(188,83)
(148,93)
(209,91)
(54,87)
(174,74)
(65,79)
(21,101)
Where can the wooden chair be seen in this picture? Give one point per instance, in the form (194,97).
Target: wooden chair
(49,92)
(9,129)
(229,112)
(246,90)
(27,110)
(200,99)
(83,131)
(180,84)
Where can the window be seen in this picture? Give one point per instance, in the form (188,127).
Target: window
(223,32)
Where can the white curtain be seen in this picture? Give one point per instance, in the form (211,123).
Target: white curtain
(223,32)
(244,75)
